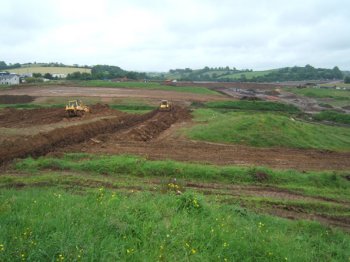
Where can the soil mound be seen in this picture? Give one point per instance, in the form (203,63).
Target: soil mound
(153,127)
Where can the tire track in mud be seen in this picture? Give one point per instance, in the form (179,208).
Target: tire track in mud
(44,143)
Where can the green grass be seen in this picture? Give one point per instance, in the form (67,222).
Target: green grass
(41,224)
(321,93)
(103,208)
(253,105)
(149,85)
(266,130)
(333,116)
(31,106)
(140,167)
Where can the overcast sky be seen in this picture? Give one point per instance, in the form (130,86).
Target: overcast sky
(159,35)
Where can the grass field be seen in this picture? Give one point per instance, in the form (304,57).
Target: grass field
(81,207)
(266,130)
(149,85)
(51,70)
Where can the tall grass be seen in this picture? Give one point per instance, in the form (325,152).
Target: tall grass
(101,225)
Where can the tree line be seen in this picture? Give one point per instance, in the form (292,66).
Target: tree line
(223,74)
(106,72)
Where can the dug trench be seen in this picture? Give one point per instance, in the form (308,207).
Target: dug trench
(155,122)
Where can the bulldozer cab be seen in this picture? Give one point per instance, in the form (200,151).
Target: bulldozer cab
(73,103)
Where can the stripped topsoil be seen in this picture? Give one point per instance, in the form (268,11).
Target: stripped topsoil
(152,135)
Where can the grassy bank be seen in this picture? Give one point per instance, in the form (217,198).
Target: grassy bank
(266,130)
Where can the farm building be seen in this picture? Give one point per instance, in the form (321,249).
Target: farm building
(10,79)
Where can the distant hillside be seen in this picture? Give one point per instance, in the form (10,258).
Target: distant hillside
(232,75)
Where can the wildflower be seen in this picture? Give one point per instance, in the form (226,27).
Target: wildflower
(1,247)
(60,257)
(225,259)
(225,244)
(129,251)
(212,230)
(167,235)
(193,251)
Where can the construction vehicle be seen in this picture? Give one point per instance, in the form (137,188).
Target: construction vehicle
(165,105)
(76,108)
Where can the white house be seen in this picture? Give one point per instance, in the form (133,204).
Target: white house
(11,79)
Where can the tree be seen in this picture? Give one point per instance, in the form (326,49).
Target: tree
(36,75)
(48,76)
(347,80)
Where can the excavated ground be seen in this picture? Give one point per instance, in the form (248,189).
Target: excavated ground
(145,140)
(43,143)
(155,135)
(17,118)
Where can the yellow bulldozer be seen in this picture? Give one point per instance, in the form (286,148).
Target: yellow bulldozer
(165,105)
(76,108)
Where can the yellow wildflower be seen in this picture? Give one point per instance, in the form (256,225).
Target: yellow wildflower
(193,251)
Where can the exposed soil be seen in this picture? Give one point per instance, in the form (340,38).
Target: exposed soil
(104,92)
(220,154)
(16,99)
(43,143)
(17,118)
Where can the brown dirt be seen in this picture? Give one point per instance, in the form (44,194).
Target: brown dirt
(181,149)
(43,143)
(105,92)
(18,118)
(9,99)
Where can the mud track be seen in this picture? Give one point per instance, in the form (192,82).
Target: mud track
(43,143)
